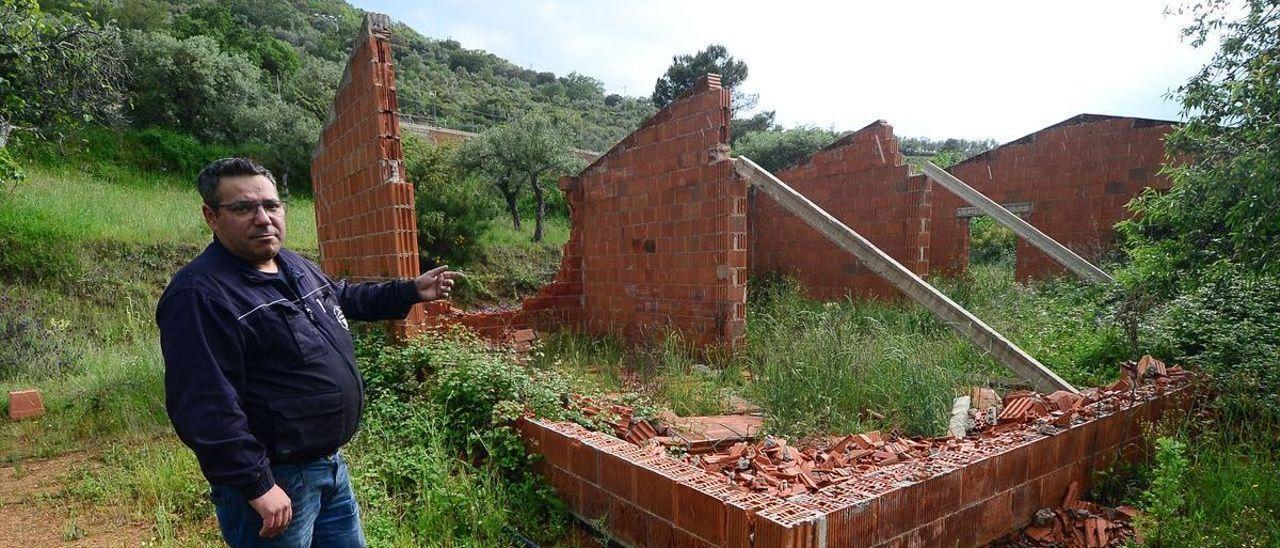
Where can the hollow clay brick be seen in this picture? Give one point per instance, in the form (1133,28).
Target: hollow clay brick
(25,404)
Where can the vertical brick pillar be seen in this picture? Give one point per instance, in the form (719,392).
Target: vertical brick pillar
(915,224)
(364,205)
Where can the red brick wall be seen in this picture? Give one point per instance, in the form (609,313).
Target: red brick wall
(967,497)
(658,232)
(364,205)
(1078,175)
(862,181)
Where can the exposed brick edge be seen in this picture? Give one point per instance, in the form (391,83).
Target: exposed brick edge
(363,201)
(646,499)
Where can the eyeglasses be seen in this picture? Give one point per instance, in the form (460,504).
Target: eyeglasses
(273,208)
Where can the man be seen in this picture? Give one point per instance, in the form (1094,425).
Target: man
(260,372)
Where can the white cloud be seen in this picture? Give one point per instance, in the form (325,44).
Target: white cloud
(940,69)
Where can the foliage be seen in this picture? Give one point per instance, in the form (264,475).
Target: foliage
(415,492)
(453,210)
(760,121)
(779,148)
(194,87)
(448,85)
(1230,325)
(513,155)
(1224,207)
(262,74)
(991,242)
(34,347)
(56,70)
(955,149)
(1206,491)
(689,388)
(1165,498)
(1203,260)
(819,367)
(686,70)
(441,396)
(11,174)
(511,266)
(216,21)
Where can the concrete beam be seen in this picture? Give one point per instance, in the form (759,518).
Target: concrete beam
(1031,234)
(951,314)
(1016,208)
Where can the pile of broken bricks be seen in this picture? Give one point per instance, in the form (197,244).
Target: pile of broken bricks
(1077,523)
(771,466)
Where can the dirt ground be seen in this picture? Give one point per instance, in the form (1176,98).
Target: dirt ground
(33,514)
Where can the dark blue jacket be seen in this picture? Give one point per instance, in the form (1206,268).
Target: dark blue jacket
(260,368)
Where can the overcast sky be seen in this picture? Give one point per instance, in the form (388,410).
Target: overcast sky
(932,69)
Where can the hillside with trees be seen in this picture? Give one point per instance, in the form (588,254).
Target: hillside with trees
(258,76)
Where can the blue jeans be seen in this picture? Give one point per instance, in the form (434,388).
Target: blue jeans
(324,508)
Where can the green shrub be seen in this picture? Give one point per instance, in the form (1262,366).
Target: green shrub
(779,148)
(10,174)
(453,210)
(1230,326)
(33,349)
(991,242)
(441,397)
(1206,491)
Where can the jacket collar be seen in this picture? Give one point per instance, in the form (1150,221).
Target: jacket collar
(249,272)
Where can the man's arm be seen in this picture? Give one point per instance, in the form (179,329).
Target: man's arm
(371,301)
(203,355)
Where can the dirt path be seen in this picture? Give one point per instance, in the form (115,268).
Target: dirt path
(33,512)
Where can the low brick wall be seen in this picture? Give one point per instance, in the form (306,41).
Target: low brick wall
(954,498)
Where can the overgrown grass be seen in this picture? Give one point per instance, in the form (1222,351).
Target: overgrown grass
(1206,491)
(826,368)
(436,462)
(159,481)
(125,206)
(511,265)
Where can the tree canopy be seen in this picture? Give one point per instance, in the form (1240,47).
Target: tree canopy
(685,70)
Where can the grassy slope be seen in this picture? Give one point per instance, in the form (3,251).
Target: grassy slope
(131,208)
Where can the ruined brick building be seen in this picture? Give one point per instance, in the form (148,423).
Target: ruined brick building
(664,236)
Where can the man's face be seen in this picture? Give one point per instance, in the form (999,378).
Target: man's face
(255,236)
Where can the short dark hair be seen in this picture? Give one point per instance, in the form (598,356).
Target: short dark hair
(207,180)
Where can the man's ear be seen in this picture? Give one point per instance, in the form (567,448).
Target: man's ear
(210,215)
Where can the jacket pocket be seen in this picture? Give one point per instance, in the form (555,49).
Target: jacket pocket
(312,346)
(309,426)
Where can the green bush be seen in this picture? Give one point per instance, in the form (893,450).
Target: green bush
(453,210)
(10,174)
(1205,491)
(1230,326)
(441,397)
(991,242)
(34,349)
(779,148)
